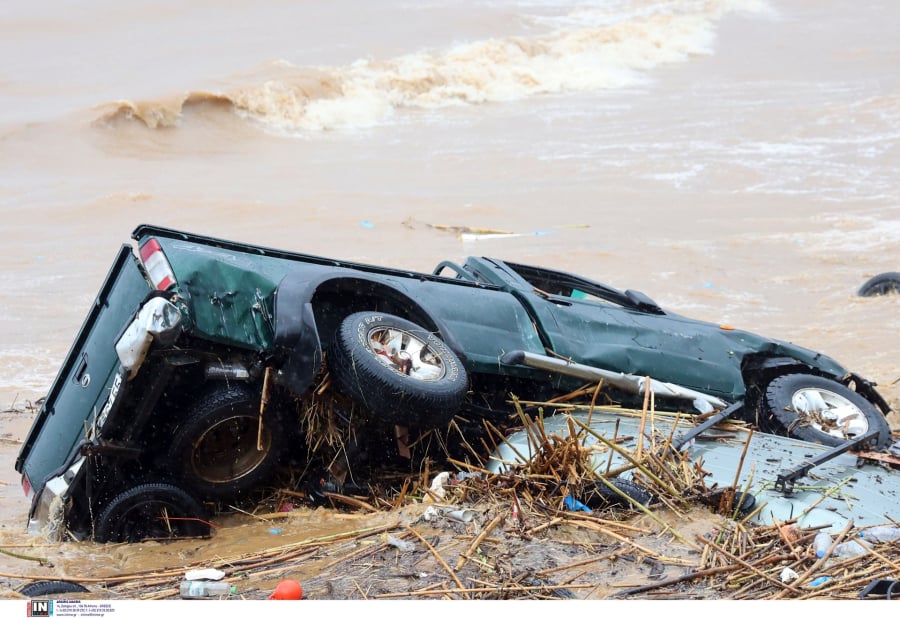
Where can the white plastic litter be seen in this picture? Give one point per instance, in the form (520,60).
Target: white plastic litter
(463,515)
(881,534)
(400,543)
(211,574)
(788,575)
(438,485)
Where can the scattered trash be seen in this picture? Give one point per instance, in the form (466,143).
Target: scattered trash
(399,543)
(819,581)
(431,513)
(210,574)
(822,542)
(461,476)
(287,590)
(274,530)
(788,575)
(467,237)
(881,534)
(463,515)
(848,549)
(203,589)
(367,224)
(851,548)
(574,505)
(467,234)
(437,489)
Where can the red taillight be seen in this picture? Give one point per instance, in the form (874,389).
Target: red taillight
(157,265)
(26,485)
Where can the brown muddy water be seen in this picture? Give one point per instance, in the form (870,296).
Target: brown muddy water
(736,160)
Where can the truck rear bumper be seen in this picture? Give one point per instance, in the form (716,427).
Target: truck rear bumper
(48,514)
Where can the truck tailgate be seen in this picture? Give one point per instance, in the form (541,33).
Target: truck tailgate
(85,378)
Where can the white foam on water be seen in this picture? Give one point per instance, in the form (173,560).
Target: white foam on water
(601,46)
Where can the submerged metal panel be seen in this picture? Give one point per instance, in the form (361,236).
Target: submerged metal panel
(833,494)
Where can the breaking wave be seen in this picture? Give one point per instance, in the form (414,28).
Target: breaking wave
(612,45)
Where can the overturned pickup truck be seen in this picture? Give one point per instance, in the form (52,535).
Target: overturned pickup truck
(182,386)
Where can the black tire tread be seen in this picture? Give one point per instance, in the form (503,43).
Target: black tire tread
(601,495)
(394,399)
(778,396)
(213,404)
(884,283)
(49,587)
(186,505)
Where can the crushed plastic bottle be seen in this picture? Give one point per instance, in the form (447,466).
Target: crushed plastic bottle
(881,534)
(204,589)
(851,548)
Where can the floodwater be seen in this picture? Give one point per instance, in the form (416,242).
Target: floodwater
(736,160)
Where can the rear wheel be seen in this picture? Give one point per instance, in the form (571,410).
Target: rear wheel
(219,450)
(151,511)
(817,409)
(398,370)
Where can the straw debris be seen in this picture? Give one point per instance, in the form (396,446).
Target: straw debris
(555,526)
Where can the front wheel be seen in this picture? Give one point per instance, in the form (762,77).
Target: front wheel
(398,370)
(151,511)
(817,409)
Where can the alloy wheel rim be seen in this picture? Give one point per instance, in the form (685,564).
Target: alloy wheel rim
(830,413)
(406,353)
(227,451)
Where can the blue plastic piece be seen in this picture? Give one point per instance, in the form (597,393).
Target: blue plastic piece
(574,505)
(819,581)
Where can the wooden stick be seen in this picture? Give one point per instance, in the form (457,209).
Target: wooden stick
(747,565)
(574,565)
(437,557)
(504,588)
(474,546)
(349,500)
(678,580)
(262,406)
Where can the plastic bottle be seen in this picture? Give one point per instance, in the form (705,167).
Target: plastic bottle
(881,534)
(822,542)
(203,589)
(851,548)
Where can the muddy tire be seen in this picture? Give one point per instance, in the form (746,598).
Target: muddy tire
(151,511)
(885,283)
(817,409)
(398,371)
(50,587)
(215,453)
(599,495)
